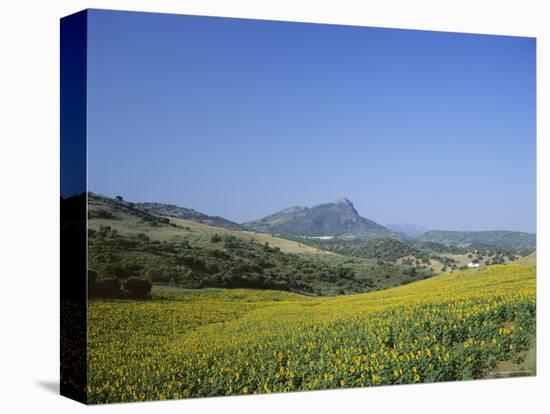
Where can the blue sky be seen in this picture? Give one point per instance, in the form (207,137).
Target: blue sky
(242,118)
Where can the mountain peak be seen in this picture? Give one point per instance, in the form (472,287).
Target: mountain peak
(337,218)
(293,209)
(344,201)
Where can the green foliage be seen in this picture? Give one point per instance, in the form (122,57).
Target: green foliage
(104,288)
(419,254)
(105,208)
(137,287)
(385,249)
(198,262)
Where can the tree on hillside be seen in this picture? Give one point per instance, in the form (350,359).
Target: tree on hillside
(104,288)
(137,287)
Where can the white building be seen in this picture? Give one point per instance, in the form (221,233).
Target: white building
(473,265)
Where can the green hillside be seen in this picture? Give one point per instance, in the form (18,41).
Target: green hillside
(161,209)
(126,242)
(421,255)
(286,245)
(387,248)
(128,219)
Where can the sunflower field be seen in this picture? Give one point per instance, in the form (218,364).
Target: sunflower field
(211,342)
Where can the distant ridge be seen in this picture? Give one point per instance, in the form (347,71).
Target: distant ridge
(338,218)
(409,230)
(184,213)
(499,238)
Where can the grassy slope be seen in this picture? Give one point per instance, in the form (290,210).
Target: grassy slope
(125,222)
(462,260)
(287,246)
(216,342)
(530,259)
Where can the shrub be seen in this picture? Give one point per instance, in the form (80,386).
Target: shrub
(137,287)
(219,254)
(231,242)
(106,288)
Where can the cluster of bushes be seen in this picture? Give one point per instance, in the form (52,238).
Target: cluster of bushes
(439,247)
(499,255)
(385,249)
(500,258)
(389,250)
(111,287)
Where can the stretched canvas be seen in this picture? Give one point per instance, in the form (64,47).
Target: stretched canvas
(254,206)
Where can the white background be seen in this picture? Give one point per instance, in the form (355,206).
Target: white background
(29,188)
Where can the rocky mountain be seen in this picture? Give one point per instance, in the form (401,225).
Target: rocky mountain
(409,230)
(515,240)
(338,218)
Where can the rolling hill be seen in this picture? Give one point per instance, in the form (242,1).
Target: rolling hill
(504,239)
(338,218)
(125,241)
(128,219)
(184,213)
(130,240)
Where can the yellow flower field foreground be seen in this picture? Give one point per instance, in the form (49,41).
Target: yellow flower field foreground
(223,342)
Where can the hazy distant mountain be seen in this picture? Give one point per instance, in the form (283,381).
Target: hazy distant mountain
(505,239)
(338,218)
(411,230)
(184,213)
